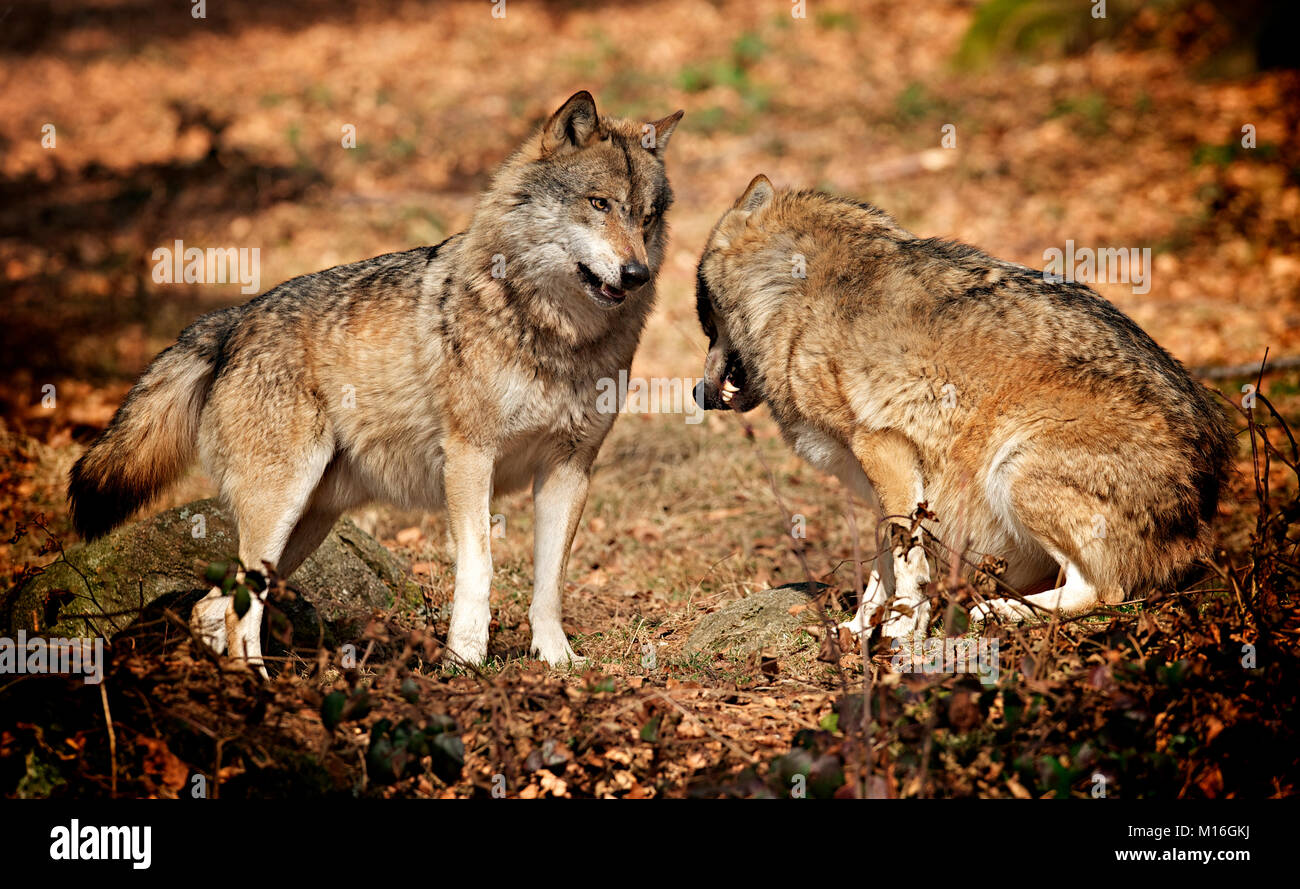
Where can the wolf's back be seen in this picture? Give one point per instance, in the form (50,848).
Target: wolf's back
(151,439)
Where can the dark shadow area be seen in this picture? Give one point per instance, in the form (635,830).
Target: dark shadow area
(32,26)
(36,25)
(95,222)
(295,628)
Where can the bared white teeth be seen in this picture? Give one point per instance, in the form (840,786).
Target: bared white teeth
(729,390)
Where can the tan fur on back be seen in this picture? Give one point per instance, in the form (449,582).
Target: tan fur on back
(1044,421)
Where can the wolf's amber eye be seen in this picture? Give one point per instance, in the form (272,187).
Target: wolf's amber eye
(601,204)
(649,220)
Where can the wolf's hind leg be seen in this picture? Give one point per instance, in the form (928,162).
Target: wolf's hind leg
(1075,596)
(1087,529)
(559,494)
(208,619)
(268,499)
(336,493)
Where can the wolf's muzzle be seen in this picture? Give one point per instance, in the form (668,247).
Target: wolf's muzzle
(708,398)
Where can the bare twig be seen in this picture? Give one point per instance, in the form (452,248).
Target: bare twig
(1228,371)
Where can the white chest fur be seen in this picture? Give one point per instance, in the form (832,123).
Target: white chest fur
(828,454)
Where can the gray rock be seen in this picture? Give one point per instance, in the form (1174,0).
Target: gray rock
(760,621)
(125,579)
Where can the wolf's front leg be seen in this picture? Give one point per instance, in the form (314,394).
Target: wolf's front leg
(911,574)
(893,468)
(872,598)
(559,494)
(467,481)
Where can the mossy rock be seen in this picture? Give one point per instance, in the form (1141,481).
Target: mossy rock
(126,579)
(759,622)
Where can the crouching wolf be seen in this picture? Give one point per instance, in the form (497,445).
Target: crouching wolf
(437,376)
(1034,417)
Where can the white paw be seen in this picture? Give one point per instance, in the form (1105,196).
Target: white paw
(1003,609)
(856,625)
(553,647)
(872,598)
(464,652)
(901,627)
(904,626)
(861,622)
(246,641)
(208,620)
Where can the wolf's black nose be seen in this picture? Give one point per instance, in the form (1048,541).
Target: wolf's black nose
(701,395)
(634,274)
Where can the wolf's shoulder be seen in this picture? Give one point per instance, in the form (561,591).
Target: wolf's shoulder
(384,266)
(387,275)
(969,275)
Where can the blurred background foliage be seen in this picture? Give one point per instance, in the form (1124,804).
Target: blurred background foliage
(1220,37)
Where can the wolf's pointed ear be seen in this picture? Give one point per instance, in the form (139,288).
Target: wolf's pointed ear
(757,196)
(655,135)
(573,126)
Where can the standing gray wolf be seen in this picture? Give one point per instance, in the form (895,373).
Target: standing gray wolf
(432,377)
(1034,417)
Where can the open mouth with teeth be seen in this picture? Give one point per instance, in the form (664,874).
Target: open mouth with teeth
(603,294)
(734,381)
(736,392)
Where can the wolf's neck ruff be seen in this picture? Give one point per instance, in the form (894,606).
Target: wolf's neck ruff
(521,308)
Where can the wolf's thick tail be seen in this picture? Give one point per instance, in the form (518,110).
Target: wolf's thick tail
(153,436)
